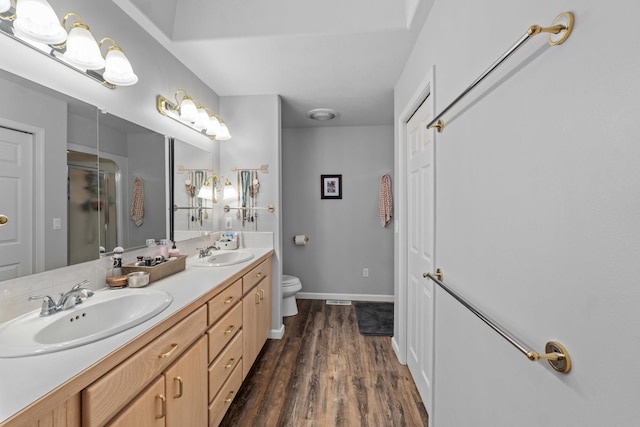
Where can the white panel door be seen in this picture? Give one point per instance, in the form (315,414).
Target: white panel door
(421,242)
(16,203)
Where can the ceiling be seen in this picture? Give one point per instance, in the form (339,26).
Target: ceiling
(343,55)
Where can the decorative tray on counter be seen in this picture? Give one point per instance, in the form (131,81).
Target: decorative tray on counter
(159,271)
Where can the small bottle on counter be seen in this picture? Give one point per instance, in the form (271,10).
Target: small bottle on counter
(164,248)
(174,252)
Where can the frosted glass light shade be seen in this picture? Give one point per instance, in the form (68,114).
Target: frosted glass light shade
(117,69)
(206,192)
(37,21)
(188,110)
(224,134)
(5,5)
(214,126)
(202,119)
(82,49)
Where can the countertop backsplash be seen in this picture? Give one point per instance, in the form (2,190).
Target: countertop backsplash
(15,293)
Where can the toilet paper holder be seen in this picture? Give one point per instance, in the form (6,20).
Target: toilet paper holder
(300,239)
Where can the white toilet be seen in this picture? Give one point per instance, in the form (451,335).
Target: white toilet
(291,285)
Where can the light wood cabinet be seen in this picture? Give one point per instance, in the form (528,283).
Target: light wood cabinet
(256,313)
(176,398)
(185,371)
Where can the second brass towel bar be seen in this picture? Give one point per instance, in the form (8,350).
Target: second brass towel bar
(558,32)
(555,353)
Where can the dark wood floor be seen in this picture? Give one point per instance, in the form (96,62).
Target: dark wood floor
(324,373)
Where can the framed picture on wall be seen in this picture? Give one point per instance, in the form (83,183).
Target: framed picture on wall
(331,186)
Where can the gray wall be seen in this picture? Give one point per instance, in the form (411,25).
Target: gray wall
(254,122)
(345,235)
(537,209)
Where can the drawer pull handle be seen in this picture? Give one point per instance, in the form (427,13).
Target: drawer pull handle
(163,402)
(229,364)
(259,273)
(228,300)
(230,398)
(180,388)
(174,347)
(258,297)
(231,328)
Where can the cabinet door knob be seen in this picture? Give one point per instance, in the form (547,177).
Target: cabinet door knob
(163,403)
(180,388)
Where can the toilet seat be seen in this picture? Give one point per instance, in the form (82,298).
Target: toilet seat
(288,281)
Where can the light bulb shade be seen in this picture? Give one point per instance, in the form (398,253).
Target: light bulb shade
(82,49)
(224,134)
(5,5)
(205,192)
(117,69)
(202,119)
(214,126)
(37,21)
(188,110)
(229,192)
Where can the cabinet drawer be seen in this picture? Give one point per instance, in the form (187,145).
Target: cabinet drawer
(102,399)
(223,400)
(223,331)
(222,367)
(252,278)
(222,302)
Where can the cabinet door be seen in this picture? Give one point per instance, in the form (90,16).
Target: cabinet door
(146,410)
(187,388)
(250,329)
(265,309)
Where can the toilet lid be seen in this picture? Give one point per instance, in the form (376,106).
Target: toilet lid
(289,280)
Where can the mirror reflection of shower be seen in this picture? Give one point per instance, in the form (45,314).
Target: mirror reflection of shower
(92,194)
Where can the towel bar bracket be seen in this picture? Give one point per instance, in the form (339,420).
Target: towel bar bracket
(556,354)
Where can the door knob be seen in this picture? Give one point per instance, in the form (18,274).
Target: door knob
(3,220)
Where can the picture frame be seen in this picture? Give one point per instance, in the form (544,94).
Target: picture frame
(331,186)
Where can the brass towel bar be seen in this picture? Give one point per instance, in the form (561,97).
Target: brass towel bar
(558,32)
(555,353)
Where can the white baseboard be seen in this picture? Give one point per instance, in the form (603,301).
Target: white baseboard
(276,334)
(352,297)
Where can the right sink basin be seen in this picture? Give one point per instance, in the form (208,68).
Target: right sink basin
(221,258)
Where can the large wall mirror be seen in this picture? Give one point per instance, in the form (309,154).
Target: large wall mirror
(68,180)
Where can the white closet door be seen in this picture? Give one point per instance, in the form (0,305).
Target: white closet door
(421,244)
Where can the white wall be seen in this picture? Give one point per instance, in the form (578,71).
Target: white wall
(345,234)
(255,125)
(538,201)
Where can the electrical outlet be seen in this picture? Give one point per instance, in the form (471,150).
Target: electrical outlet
(365,272)
(57,223)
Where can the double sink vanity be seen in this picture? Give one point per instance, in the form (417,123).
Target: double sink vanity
(174,353)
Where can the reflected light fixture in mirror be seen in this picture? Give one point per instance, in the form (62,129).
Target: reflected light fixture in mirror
(206,190)
(193,115)
(34,23)
(229,191)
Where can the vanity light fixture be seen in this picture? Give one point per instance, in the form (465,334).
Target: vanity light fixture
(82,49)
(5,5)
(206,190)
(36,20)
(34,23)
(117,69)
(194,115)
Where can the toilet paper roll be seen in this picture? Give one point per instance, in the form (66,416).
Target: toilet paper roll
(300,239)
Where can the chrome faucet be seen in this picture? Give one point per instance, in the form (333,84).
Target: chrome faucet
(207,251)
(67,300)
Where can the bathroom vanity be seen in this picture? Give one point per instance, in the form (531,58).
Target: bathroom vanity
(182,367)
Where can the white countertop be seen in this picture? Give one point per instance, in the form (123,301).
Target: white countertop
(25,380)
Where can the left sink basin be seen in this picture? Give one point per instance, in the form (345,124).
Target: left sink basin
(106,313)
